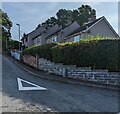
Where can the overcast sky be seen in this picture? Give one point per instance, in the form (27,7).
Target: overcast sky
(30,14)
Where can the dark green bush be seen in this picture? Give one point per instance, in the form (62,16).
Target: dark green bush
(42,51)
(100,53)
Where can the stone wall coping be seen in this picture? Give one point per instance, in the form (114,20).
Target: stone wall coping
(99,70)
(84,67)
(70,65)
(115,73)
(58,63)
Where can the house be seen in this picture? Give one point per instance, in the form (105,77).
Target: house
(27,41)
(68,30)
(50,35)
(72,33)
(57,34)
(99,26)
(24,42)
(54,34)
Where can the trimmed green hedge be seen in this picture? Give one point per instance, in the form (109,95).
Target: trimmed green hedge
(43,51)
(98,54)
(101,54)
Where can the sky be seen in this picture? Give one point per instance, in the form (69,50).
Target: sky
(30,14)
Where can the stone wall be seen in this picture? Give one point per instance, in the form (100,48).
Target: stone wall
(71,71)
(30,60)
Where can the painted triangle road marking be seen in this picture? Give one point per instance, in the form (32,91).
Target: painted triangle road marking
(36,87)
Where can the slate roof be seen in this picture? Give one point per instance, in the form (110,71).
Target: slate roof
(50,31)
(84,27)
(36,32)
(70,29)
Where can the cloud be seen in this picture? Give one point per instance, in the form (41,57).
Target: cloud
(60,1)
(92,3)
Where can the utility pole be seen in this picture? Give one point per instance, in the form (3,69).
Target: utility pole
(6,44)
(19,34)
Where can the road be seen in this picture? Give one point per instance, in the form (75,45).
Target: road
(59,97)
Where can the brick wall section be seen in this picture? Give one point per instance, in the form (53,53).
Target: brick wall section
(30,60)
(71,71)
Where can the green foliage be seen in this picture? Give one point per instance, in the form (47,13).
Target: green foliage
(6,21)
(98,54)
(5,26)
(95,52)
(49,22)
(64,17)
(42,51)
(13,44)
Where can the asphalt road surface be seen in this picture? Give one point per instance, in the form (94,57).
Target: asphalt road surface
(59,97)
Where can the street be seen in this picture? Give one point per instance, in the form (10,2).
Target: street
(56,97)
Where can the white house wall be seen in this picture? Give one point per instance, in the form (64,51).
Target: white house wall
(60,37)
(49,40)
(71,39)
(85,35)
(102,29)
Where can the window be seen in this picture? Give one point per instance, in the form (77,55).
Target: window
(77,38)
(54,39)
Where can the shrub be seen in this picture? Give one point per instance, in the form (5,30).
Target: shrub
(42,51)
(95,52)
(98,54)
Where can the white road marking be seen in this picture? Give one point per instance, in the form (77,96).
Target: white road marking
(20,86)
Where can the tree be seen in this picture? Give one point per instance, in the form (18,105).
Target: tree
(85,13)
(5,26)
(14,44)
(50,22)
(64,17)
(75,15)
(53,21)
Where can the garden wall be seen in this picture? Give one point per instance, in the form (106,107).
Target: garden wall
(71,71)
(30,60)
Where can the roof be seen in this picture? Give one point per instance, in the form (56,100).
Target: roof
(54,29)
(66,31)
(70,29)
(84,27)
(36,32)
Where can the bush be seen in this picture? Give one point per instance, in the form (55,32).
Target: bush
(95,52)
(43,51)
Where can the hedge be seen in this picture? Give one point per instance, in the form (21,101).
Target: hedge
(43,51)
(97,54)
